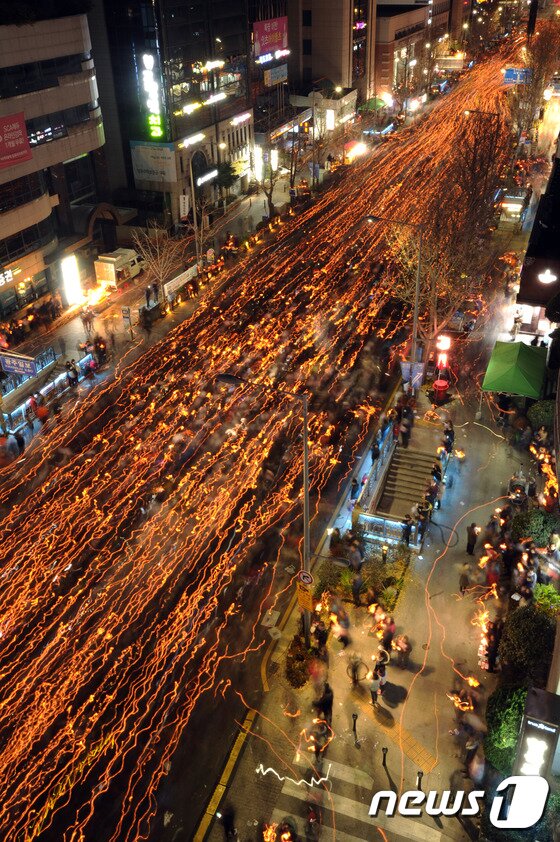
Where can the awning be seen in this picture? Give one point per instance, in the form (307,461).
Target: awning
(373,104)
(516,369)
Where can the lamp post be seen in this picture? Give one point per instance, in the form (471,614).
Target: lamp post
(233,380)
(420,228)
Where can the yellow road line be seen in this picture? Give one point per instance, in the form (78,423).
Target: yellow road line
(220,789)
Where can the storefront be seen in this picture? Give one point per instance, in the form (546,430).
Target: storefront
(18,289)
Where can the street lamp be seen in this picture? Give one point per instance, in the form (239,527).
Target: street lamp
(233,380)
(420,228)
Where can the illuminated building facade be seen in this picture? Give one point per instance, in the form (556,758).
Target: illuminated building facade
(177,91)
(51,159)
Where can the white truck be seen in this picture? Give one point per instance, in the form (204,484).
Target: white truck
(118,266)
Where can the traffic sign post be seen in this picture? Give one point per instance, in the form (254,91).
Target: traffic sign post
(304,596)
(127,319)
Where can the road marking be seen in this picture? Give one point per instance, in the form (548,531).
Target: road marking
(220,789)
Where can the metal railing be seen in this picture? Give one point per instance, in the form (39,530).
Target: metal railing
(386,529)
(23,415)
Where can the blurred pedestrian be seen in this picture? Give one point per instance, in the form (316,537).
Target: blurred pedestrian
(324,704)
(404,649)
(405,430)
(374,687)
(20,441)
(389,628)
(354,489)
(357,583)
(354,662)
(148,295)
(342,628)
(464,581)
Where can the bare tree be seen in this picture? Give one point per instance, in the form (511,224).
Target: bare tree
(204,231)
(163,254)
(457,253)
(269,178)
(541,58)
(476,170)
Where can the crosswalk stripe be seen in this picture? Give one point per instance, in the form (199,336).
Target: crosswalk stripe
(327,833)
(352,809)
(407,828)
(340,771)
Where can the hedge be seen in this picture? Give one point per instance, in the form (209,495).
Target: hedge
(536,524)
(541,414)
(526,646)
(503,717)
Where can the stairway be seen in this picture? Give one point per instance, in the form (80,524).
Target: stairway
(406,480)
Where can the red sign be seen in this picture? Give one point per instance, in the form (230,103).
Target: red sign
(270,35)
(14,144)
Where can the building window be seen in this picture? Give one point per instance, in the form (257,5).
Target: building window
(22,190)
(306,50)
(38,75)
(27,241)
(306,17)
(80,179)
(54,126)
(307,74)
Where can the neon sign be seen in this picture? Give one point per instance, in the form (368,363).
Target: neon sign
(153,100)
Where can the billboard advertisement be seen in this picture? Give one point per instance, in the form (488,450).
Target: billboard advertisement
(153,161)
(14,143)
(270,35)
(276,75)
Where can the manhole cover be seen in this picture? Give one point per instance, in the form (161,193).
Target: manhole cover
(425,646)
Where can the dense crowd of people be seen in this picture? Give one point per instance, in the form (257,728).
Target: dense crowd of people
(37,316)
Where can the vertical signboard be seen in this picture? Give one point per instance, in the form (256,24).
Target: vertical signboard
(270,35)
(14,143)
(151,94)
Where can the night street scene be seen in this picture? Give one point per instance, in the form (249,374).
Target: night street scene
(279,353)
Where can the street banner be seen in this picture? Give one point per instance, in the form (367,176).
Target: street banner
(14,143)
(153,162)
(270,35)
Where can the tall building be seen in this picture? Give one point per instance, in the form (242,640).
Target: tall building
(333,40)
(51,160)
(177,90)
(401,36)
(269,65)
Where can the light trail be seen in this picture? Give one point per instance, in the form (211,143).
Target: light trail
(136,552)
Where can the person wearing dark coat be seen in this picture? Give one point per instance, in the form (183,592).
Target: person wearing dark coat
(472,537)
(324,704)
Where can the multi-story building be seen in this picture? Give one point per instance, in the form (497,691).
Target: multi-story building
(333,40)
(401,36)
(51,158)
(269,65)
(176,86)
